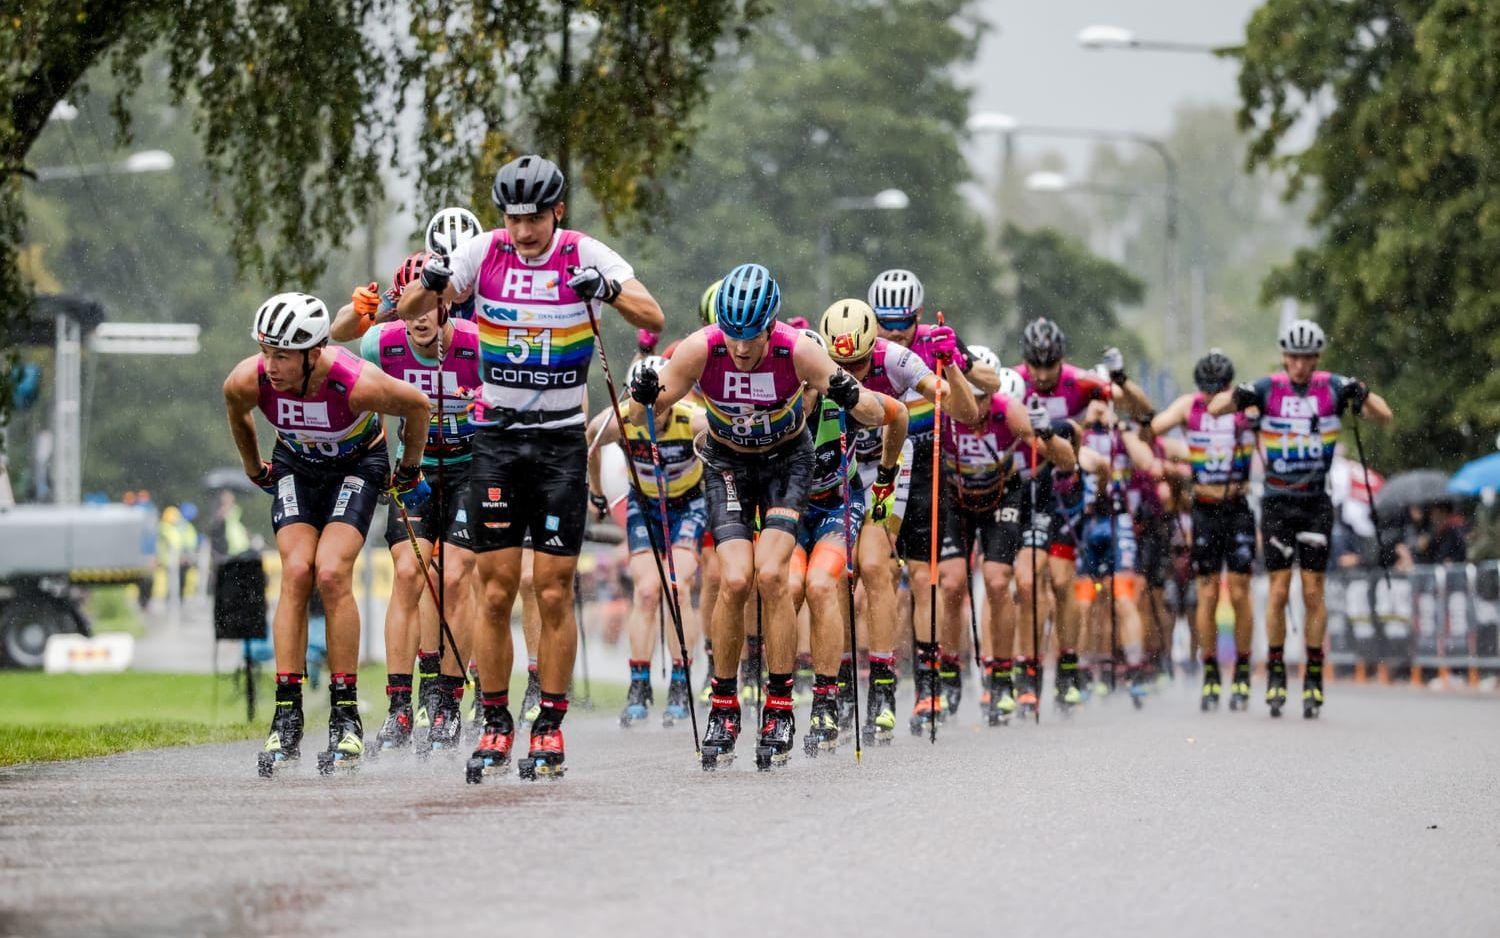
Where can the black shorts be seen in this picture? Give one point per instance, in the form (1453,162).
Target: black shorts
(528,482)
(740,484)
(320,495)
(998,531)
(1223,537)
(1297,528)
(454,504)
(1153,535)
(914,541)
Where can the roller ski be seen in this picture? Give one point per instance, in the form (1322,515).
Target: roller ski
(1239,690)
(1002,703)
(1138,686)
(880,713)
(847,689)
(474,723)
(531,703)
(396,731)
(1312,691)
(1028,688)
(492,755)
(951,687)
(447,722)
(778,727)
(346,740)
(928,707)
(717,750)
(1276,686)
(545,758)
(678,695)
(1212,688)
(823,724)
(638,697)
(284,744)
(1067,695)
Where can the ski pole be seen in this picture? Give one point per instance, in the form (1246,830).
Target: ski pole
(661,635)
(440,501)
(660,472)
(846,449)
(411,536)
(1036,638)
(635,479)
(1114,549)
(932,537)
(1359,447)
(583,643)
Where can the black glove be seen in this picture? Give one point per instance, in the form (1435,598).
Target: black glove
(1244,396)
(843,390)
(265,479)
(590,284)
(645,386)
(436,273)
(601,505)
(1114,361)
(1356,392)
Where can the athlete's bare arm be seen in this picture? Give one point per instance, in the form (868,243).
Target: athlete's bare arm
(894,436)
(815,368)
(983,377)
(241,394)
(1175,415)
(683,370)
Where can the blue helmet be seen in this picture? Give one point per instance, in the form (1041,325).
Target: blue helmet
(747,302)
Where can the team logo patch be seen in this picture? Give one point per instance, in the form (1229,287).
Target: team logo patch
(843,345)
(553,523)
(493,493)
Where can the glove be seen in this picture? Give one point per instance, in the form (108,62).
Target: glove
(1356,392)
(645,386)
(945,347)
(1244,396)
(265,479)
(366,301)
(411,489)
(1041,421)
(590,284)
(601,505)
(883,492)
(843,390)
(1114,363)
(645,340)
(436,273)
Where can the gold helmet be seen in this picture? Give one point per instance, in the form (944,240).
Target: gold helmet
(849,328)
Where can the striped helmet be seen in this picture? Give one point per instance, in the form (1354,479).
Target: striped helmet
(291,321)
(706,302)
(1302,337)
(450,229)
(747,302)
(410,269)
(527,185)
(896,297)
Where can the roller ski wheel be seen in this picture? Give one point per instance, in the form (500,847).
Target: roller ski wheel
(346,742)
(531,703)
(880,714)
(1239,696)
(778,728)
(719,737)
(492,756)
(1276,689)
(678,695)
(284,744)
(823,725)
(396,731)
(1312,701)
(638,700)
(545,759)
(1002,703)
(1212,688)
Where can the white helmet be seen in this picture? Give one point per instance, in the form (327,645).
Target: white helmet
(896,294)
(985,354)
(1012,385)
(1302,337)
(816,336)
(450,229)
(655,362)
(291,321)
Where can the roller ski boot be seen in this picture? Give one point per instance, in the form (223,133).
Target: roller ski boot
(492,755)
(880,714)
(638,697)
(284,744)
(1239,690)
(1312,691)
(927,711)
(447,721)
(723,730)
(802,680)
(750,678)
(778,727)
(395,732)
(678,696)
(847,689)
(545,758)
(474,719)
(1212,688)
(346,740)
(1028,688)
(531,703)
(1002,698)
(1276,686)
(951,679)
(1067,693)
(823,724)
(1139,684)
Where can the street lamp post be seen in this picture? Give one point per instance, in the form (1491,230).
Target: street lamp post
(146,161)
(1099,37)
(886,200)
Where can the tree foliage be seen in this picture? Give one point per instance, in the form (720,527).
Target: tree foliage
(1403,102)
(296,101)
(1058,278)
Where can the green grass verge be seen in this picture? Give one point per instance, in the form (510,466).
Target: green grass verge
(74,716)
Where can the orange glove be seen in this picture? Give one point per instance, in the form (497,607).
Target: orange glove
(366,300)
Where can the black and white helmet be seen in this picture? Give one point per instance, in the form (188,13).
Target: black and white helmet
(527,185)
(1043,343)
(1302,337)
(896,294)
(450,229)
(291,321)
(985,354)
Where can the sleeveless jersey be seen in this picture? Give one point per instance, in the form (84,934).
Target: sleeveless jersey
(895,370)
(321,428)
(975,457)
(535,343)
(1219,448)
(1298,430)
(451,434)
(679,462)
(826,486)
(754,409)
(1071,395)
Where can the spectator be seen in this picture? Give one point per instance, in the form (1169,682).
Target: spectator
(1445,540)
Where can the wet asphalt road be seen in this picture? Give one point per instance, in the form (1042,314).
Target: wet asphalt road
(1381,818)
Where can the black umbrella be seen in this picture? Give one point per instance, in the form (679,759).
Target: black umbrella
(228,477)
(1422,487)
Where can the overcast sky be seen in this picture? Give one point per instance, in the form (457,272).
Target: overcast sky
(1031,67)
